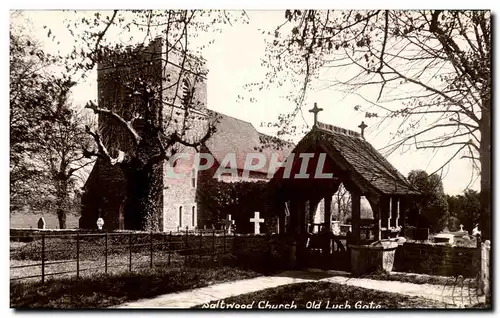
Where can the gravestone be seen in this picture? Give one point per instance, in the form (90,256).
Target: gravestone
(444,238)
(100,223)
(256,221)
(41,223)
(228,224)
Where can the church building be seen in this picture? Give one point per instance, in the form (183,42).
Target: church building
(104,191)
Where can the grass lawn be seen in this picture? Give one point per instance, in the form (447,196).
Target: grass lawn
(326,296)
(23,220)
(98,291)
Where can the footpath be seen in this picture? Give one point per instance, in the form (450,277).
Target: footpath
(455,296)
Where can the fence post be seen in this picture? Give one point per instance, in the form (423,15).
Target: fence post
(130,252)
(106,253)
(201,246)
(77,254)
(213,244)
(151,250)
(43,258)
(224,241)
(169,246)
(186,247)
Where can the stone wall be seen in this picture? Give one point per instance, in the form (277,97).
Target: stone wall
(484,278)
(437,259)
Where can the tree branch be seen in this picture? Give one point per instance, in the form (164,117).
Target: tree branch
(127,124)
(102,151)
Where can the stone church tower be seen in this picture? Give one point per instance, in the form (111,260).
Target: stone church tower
(160,68)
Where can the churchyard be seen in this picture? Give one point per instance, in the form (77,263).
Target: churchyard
(55,262)
(182,206)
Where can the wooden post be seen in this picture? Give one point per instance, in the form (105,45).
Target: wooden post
(151,251)
(43,258)
(77,254)
(169,246)
(213,244)
(186,247)
(201,246)
(403,211)
(328,226)
(328,213)
(397,212)
(224,241)
(378,221)
(356,216)
(106,252)
(389,214)
(130,252)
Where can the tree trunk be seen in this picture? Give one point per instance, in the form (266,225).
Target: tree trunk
(485,159)
(144,193)
(62,202)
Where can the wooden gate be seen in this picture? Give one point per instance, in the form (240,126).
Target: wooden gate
(327,252)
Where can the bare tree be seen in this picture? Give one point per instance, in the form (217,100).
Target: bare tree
(159,109)
(46,134)
(432,70)
(60,156)
(343,201)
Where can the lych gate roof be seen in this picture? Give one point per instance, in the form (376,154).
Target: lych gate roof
(366,166)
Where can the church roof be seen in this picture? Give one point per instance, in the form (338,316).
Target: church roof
(240,137)
(355,156)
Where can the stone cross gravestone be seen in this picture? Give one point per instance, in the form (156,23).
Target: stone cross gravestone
(256,222)
(100,223)
(228,223)
(41,223)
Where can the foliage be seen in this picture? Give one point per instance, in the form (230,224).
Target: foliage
(465,208)
(46,134)
(240,199)
(432,207)
(430,69)
(99,291)
(31,97)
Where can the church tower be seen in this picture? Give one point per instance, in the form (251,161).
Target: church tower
(177,80)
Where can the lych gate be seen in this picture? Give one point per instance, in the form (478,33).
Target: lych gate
(326,157)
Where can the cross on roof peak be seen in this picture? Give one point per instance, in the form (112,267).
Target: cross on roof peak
(315,110)
(363,127)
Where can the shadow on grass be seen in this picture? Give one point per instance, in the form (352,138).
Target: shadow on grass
(100,290)
(325,295)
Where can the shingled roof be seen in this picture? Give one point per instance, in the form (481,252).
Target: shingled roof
(366,166)
(237,136)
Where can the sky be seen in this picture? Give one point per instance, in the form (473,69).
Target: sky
(234,59)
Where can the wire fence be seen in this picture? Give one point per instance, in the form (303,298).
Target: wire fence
(71,254)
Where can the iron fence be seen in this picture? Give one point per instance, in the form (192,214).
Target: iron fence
(73,254)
